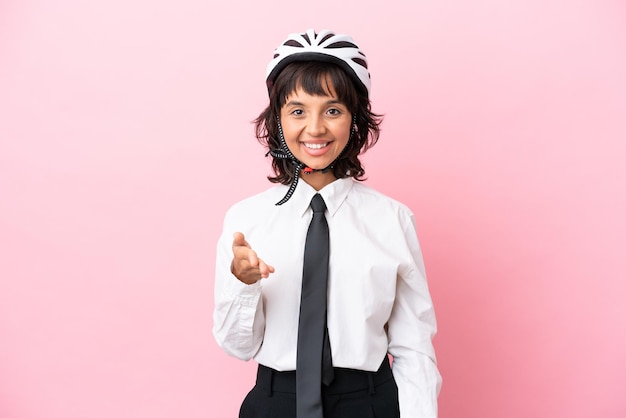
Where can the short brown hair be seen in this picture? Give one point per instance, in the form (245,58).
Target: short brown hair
(312,77)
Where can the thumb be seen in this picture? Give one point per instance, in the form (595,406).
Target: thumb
(239,240)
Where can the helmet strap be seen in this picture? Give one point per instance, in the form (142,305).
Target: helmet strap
(285,154)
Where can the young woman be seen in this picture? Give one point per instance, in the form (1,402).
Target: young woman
(320,277)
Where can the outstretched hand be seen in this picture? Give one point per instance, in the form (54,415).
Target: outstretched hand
(246,265)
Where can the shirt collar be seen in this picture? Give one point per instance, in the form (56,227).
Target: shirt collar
(334,195)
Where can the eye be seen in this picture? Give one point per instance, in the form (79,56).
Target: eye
(334,111)
(297,112)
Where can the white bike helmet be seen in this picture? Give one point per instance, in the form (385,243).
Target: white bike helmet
(324,46)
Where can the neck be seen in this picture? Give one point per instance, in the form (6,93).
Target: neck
(318,180)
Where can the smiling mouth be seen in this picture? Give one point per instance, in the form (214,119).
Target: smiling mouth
(315,146)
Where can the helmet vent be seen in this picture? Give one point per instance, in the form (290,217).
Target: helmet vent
(360,62)
(294,43)
(342,44)
(330,35)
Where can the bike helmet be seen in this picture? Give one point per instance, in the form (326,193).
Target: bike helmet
(325,46)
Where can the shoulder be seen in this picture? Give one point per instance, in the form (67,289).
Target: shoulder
(383,219)
(255,204)
(368,199)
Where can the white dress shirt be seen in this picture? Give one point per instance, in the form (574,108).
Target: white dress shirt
(378,298)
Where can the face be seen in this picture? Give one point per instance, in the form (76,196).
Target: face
(316,129)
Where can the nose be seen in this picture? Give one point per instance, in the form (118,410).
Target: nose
(316,126)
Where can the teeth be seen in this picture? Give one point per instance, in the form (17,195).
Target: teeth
(315,146)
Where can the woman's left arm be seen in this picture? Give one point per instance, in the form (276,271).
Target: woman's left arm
(411,328)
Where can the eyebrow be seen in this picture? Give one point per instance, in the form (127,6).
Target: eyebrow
(297,103)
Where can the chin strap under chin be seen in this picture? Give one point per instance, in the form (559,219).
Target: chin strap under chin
(285,154)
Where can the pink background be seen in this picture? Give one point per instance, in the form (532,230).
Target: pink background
(125,134)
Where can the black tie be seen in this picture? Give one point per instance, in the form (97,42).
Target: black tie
(314,360)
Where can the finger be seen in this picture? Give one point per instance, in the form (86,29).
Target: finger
(239,240)
(265,269)
(253,259)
